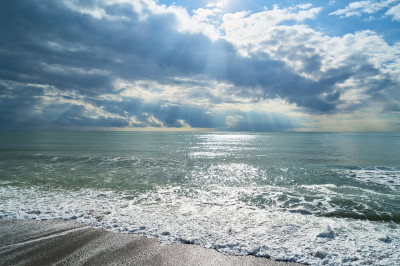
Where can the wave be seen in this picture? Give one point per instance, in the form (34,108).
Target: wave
(215,218)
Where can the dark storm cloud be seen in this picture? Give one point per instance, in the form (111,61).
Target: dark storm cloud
(15,106)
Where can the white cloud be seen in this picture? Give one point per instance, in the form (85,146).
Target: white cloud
(394,12)
(304,6)
(153,121)
(232,121)
(369,45)
(95,12)
(360,7)
(213,22)
(54,97)
(314,55)
(183,123)
(194,91)
(62,69)
(200,22)
(217,4)
(248,30)
(181,92)
(297,45)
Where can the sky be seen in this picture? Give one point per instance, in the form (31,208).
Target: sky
(200,65)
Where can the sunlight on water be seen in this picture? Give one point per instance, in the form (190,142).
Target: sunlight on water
(221,145)
(300,197)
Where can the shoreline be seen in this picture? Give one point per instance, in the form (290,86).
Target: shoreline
(49,242)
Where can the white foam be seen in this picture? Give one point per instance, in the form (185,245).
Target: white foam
(382,176)
(214,218)
(203,154)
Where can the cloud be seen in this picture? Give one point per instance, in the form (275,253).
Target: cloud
(394,11)
(242,27)
(328,63)
(44,107)
(152,120)
(183,123)
(233,120)
(86,52)
(256,121)
(304,6)
(360,7)
(139,64)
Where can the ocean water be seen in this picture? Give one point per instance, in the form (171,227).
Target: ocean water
(316,198)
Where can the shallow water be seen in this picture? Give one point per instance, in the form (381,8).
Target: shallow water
(306,197)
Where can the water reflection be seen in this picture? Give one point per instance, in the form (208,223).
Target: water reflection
(222,144)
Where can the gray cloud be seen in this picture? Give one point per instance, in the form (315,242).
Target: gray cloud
(30,107)
(44,42)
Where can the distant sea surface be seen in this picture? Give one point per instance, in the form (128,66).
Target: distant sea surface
(317,198)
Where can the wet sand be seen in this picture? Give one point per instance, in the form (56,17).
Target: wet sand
(30,242)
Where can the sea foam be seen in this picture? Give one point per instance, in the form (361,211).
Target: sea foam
(217,219)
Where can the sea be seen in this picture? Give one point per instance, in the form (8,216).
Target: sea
(314,198)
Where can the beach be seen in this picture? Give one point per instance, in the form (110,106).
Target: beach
(31,242)
(199,198)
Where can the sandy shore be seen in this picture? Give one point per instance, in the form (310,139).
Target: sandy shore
(30,242)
